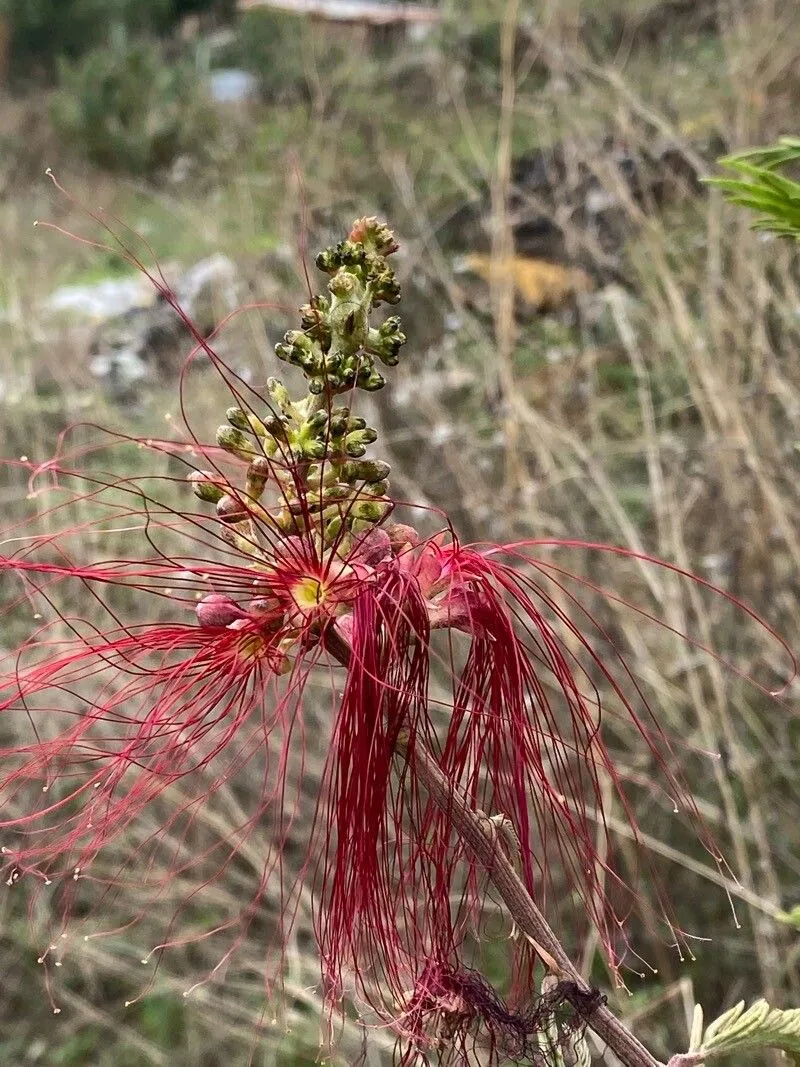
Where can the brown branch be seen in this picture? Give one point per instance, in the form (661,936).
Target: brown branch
(482,839)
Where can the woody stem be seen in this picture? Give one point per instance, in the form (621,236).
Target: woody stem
(482,839)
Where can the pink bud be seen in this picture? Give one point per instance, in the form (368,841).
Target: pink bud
(216,609)
(344,627)
(402,537)
(373,548)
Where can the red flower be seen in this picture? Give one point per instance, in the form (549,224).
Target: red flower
(482,656)
(445,646)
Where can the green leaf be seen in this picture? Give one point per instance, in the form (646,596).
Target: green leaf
(791,918)
(756,1027)
(774,197)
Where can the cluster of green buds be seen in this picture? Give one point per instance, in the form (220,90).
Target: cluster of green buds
(336,347)
(309,454)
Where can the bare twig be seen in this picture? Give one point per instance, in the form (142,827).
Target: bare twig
(480,836)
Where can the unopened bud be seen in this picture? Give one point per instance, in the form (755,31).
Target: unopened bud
(370,379)
(231,510)
(332,529)
(402,537)
(279,394)
(241,544)
(276,427)
(235,442)
(238,418)
(317,421)
(366,470)
(312,449)
(370,510)
(258,474)
(374,235)
(355,443)
(337,491)
(339,422)
(216,609)
(205,487)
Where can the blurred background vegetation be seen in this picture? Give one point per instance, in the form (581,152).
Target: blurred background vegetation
(630,373)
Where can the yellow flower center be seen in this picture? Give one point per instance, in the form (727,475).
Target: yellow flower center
(253,646)
(309,593)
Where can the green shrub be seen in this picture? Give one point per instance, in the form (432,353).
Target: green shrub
(43,31)
(280,50)
(124,108)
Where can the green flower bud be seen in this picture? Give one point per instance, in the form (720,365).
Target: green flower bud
(339,422)
(206,486)
(275,427)
(288,523)
(355,443)
(300,350)
(230,509)
(312,449)
(279,395)
(330,476)
(370,510)
(343,285)
(235,442)
(370,379)
(238,418)
(231,537)
(314,320)
(384,287)
(366,470)
(257,426)
(316,422)
(333,528)
(329,260)
(258,474)
(387,341)
(340,491)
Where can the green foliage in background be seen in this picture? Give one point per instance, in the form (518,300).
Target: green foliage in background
(43,31)
(772,196)
(283,52)
(126,109)
(270,45)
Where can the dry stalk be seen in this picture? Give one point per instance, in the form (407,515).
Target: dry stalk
(481,837)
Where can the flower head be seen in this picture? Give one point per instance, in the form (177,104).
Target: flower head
(469,655)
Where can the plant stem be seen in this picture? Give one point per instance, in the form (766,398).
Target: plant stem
(483,839)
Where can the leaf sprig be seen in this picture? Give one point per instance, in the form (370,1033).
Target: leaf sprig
(774,197)
(741,1029)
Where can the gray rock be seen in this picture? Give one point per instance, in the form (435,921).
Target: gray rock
(148,342)
(232,86)
(102,300)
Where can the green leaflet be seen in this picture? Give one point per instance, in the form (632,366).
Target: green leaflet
(774,198)
(740,1029)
